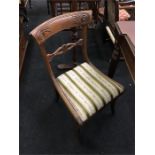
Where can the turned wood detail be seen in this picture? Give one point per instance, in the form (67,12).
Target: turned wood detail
(59,23)
(64,48)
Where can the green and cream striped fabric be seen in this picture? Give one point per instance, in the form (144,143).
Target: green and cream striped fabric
(88,89)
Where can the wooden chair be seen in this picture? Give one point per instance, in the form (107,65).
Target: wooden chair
(84,89)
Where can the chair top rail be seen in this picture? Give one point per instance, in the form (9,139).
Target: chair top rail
(59,23)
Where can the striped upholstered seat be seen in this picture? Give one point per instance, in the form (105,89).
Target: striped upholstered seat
(88,89)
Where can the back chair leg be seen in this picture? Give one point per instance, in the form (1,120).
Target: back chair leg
(114,62)
(85,138)
(80,136)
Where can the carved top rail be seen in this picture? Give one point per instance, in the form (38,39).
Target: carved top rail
(59,23)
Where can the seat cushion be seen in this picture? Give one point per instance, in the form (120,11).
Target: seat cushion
(88,89)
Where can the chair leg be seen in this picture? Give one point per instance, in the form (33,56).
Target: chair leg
(84,138)
(114,62)
(80,135)
(113,107)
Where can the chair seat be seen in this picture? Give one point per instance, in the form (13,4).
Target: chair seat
(88,89)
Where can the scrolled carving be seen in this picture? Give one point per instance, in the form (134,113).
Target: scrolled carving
(59,23)
(43,34)
(85,19)
(81,18)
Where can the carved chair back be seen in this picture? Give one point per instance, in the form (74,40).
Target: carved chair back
(57,24)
